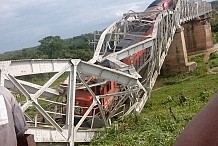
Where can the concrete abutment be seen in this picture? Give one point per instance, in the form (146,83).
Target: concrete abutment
(192,38)
(177,58)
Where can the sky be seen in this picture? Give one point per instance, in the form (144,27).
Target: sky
(24,22)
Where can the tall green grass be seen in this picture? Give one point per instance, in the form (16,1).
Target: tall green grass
(172,105)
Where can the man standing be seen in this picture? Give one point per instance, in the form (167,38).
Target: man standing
(12,121)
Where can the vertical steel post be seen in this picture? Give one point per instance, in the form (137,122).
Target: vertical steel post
(71,102)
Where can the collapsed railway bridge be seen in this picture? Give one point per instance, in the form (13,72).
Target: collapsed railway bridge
(118,80)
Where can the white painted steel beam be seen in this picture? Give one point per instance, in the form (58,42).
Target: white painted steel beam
(48,135)
(98,49)
(27,67)
(129,51)
(71,99)
(32,88)
(106,73)
(33,66)
(95,101)
(33,101)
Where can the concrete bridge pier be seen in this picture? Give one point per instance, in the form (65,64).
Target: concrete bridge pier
(198,37)
(177,57)
(192,38)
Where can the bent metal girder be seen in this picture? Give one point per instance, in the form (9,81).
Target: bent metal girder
(185,10)
(137,81)
(156,44)
(75,68)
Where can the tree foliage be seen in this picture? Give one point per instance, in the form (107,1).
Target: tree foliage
(214,21)
(53,47)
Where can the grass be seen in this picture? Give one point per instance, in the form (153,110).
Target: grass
(172,105)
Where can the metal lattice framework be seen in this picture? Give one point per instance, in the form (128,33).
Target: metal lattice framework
(135,81)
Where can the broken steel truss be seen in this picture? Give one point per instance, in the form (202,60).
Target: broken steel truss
(135,81)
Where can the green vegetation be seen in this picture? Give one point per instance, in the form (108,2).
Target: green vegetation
(53,47)
(173,103)
(214,22)
(214,4)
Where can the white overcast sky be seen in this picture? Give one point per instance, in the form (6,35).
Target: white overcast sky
(24,22)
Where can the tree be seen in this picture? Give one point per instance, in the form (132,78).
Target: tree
(53,47)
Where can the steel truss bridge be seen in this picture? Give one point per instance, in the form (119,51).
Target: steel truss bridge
(135,80)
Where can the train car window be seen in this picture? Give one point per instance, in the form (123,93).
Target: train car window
(109,86)
(98,90)
(135,65)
